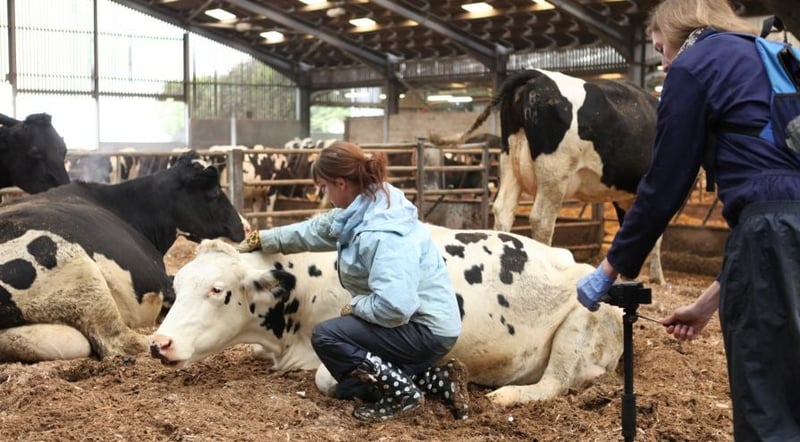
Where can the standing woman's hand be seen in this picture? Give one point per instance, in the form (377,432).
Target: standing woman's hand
(687,321)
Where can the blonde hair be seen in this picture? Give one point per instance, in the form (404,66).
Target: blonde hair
(676,19)
(346,160)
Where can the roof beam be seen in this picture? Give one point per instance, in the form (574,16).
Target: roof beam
(615,35)
(487,54)
(378,61)
(285,67)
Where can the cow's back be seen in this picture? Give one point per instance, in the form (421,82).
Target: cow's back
(514,293)
(98,231)
(620,119)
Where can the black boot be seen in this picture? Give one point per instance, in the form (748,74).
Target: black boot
(398,392)
(448,382)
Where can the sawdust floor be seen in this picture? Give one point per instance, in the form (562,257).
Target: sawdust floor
(682,395)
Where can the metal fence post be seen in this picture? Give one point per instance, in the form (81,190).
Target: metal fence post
(235,160)
(420,178)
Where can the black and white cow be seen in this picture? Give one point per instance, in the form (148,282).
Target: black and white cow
(82,264)
(31,154)
(563,137)
(523,330)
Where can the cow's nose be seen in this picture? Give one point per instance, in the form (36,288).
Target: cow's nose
(158,344)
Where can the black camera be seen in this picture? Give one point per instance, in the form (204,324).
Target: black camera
(628,294)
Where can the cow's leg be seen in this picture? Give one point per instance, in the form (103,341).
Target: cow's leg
(42,342)
(325,381)
(585,346)
(550,191)
(78,296)
(507,199)
(656,272)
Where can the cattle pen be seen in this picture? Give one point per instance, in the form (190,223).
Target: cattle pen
(693,241)
(424,182)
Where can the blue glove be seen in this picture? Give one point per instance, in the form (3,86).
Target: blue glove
(592,288)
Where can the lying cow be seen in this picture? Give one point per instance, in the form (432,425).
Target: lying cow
(82,264)
(523,329)
(563,137)
(31,154)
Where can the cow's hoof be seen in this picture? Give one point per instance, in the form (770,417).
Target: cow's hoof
(505,396)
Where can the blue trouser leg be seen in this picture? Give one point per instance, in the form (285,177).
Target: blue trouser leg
(342,343)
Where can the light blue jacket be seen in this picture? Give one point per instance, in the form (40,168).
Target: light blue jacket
(386,260)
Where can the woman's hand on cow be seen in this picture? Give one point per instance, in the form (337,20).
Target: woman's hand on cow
(251,243)
(686,322)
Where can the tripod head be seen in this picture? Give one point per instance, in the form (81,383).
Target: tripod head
(628,295)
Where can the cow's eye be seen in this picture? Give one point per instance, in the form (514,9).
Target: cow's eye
(216,290)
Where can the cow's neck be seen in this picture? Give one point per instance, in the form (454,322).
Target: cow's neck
(5,175)
(144,205)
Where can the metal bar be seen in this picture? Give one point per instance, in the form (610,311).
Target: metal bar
(285,67)
(376,60)
(235,177)
(613,34)
(12,54)
(486,54)
(420,178)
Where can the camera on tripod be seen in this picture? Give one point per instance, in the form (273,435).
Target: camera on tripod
(628,294)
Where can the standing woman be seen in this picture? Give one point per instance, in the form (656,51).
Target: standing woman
(716,86)
(403,316)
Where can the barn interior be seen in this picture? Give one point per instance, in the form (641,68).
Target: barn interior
(453,50)
(424,65)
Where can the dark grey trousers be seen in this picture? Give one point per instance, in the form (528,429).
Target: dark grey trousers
(342,343)
(760,317)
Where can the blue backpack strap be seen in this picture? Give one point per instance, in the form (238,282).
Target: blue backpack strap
(782,64)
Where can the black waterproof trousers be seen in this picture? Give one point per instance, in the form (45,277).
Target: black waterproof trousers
(342,343)
(760,317)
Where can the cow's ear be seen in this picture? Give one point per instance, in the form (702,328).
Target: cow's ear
(187,159)
(7,121)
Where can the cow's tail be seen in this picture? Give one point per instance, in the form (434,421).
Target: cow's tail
(443,141)
(481,118)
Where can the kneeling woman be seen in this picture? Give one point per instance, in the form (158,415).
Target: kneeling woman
(403,316)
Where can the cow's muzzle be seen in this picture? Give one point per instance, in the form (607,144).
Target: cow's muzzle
(159,345)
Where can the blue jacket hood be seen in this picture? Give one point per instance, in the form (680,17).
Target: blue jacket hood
(394,213)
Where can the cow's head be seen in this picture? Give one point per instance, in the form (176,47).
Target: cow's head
(200,207)
(217,302)
(31,154)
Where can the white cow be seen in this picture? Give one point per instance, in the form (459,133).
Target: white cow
(523,329)
(563,137)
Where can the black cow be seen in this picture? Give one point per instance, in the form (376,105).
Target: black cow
(31,154)
(563,137)
(82,264)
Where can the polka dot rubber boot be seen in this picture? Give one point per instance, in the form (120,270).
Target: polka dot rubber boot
(448,382)
(397,390)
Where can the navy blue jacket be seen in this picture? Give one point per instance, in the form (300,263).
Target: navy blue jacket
(718,80)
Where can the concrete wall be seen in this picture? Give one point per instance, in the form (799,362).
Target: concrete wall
(270,133)
(408,126)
